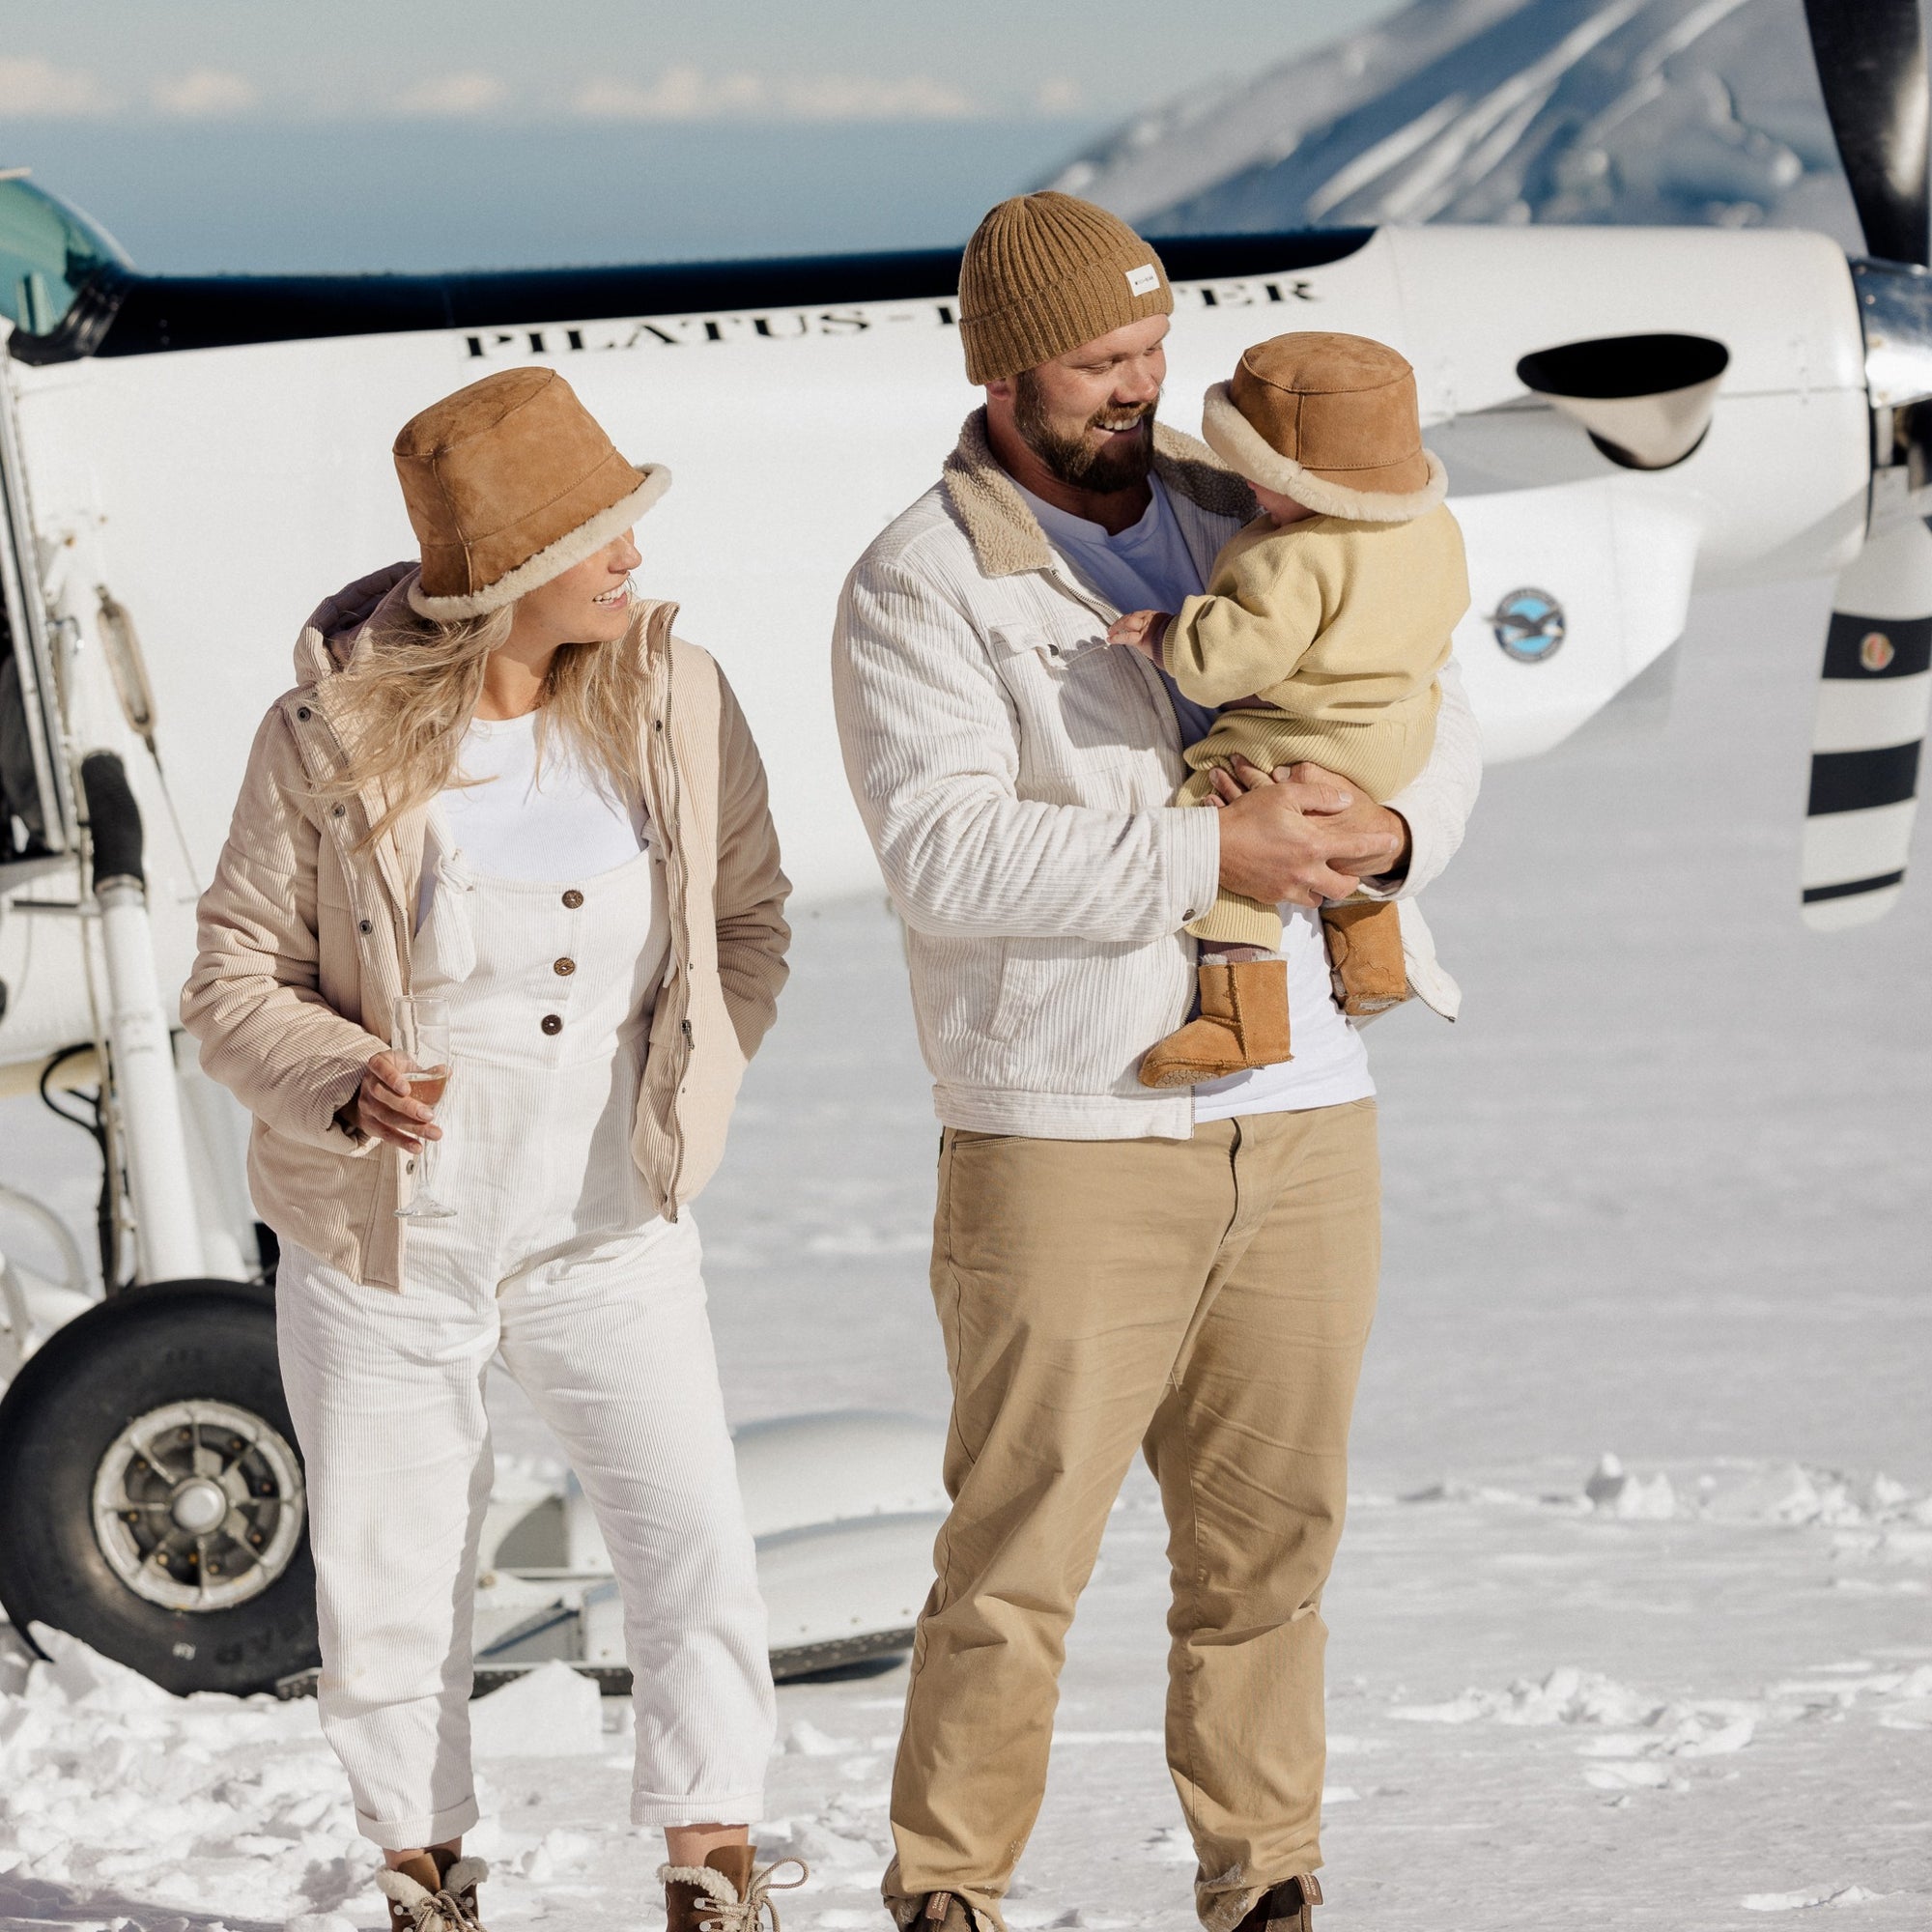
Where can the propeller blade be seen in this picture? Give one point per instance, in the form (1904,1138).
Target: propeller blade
(1869,730)
(1870,56)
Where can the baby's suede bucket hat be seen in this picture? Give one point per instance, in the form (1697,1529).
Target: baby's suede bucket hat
(1331,420)
(508,483)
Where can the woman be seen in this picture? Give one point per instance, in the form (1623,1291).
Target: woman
(502,781)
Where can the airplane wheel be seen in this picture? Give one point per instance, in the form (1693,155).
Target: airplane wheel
(152,1500)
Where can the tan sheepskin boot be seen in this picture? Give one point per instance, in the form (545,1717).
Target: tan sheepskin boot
(727,1893)
(1286,1907)
(1242,1023)
(1365,950)
(433,1892)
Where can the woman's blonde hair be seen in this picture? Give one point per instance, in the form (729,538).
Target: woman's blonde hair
(405,698)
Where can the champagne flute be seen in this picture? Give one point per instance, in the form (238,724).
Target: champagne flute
(423,1037)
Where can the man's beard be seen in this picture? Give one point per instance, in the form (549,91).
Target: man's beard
(1070,458)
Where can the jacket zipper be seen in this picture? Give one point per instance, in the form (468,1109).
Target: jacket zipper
(670,831)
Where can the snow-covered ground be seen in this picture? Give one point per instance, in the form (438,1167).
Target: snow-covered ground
(1662,1192)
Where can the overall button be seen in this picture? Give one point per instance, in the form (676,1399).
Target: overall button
(552,1023)
(564,968)
(573,898)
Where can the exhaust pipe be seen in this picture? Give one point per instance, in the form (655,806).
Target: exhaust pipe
(1644,400)
(167,1234)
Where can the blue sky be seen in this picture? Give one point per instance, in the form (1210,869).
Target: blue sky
(237,134)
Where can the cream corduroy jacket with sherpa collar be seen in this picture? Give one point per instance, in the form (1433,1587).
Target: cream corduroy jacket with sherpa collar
(1016,775)
(305,943)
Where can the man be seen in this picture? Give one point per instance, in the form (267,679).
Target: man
(1187,1272)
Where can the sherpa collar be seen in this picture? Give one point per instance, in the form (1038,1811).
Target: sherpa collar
(1004,533)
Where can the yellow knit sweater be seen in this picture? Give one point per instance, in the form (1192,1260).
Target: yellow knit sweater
(1322,641)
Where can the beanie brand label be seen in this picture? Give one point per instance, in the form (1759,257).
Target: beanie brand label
(1144,280)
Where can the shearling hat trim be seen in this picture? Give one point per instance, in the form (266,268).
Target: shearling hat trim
(570,549)
(1238,442)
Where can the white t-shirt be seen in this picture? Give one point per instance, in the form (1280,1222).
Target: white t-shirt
(1148,568)
(560,823)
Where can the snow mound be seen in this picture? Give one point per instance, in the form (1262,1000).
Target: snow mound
(1566,1696)
(112,1789)
(1766,1493)
(1641,1741)
(1613,1489)
(1790,1493)
(1799,1901)
(550,1712)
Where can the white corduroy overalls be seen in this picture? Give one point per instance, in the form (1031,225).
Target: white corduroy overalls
(557,1259)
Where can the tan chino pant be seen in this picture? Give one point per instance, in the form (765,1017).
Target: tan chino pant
(1207,1301)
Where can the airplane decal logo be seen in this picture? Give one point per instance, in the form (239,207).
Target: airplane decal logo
(1529,625)
(1875,650)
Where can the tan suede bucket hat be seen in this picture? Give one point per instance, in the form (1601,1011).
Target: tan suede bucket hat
(1331,420)
(508,484)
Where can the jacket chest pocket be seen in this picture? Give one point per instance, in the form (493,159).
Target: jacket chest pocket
(1088,730)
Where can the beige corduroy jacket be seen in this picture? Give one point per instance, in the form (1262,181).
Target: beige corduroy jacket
(304,944)
(1016,775)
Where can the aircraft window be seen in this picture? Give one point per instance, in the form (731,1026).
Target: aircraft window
(46,251)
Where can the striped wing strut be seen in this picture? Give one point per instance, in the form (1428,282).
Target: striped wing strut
(1870,727)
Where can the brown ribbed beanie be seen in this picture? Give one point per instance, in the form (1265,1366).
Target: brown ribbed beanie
(1045,272)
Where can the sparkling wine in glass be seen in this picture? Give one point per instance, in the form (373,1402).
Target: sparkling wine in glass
(423,1037)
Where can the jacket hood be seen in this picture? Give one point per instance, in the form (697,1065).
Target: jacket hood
(328,639)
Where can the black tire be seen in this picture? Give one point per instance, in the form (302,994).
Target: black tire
(145,1350)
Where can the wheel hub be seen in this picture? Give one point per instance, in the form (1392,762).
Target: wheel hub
(199,1505)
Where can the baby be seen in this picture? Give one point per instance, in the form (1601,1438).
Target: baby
(1324,623)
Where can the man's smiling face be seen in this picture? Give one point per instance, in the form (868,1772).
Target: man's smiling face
(1087,416)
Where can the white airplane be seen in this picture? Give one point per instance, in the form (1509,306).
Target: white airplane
(1628,417)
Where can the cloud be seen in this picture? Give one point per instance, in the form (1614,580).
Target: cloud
(207,94)
(35,89)
(1057,96)
(453,95)
(686,94)
(678,94)
(838,97)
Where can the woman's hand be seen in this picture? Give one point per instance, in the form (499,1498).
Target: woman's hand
(1140,631)
(384,1107)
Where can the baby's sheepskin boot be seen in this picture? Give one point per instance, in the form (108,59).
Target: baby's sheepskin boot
(1242,1023)
(1365,949)
(433,1892)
